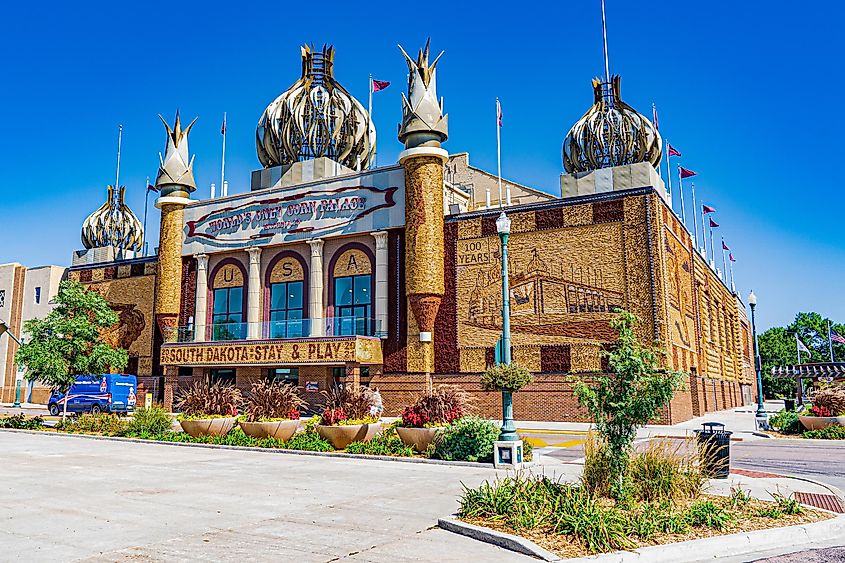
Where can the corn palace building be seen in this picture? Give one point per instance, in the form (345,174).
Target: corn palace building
(329,271)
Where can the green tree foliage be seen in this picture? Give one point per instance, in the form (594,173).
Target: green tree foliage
(629,398)
(778,348)
(68,341)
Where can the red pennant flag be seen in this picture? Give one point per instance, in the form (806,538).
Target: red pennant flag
(686,173)
(713,224)
(724,246)
(707,209)
(731,256)
(380,85)
(151,188)
(673,151)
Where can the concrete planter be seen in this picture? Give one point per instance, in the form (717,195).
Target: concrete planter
(342,436)
(418,438)
(819,422)
(278,429)
(208,426)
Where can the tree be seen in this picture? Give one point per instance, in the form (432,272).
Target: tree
(778,348)
(69,340)
(629,398)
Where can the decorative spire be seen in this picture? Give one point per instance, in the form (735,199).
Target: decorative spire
(423,122)
(113,224)
(176,171)
(315,117)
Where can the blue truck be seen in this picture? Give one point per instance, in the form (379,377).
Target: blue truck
(110,392)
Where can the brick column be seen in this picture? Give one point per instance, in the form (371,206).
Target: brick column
(353,375)
(201,309)
(171,386)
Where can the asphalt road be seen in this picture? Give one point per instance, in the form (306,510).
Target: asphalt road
(819,460)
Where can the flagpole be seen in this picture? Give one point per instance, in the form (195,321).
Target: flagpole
(712,249)
(731,265)
(830,340)
(681,193)
(694,218)
(117,172)
(604,37)
(657,127)
(669,169)
(370,115)
(223,157)
(499,146)
(704,233)
(146,204)
(798,348)
(724,265)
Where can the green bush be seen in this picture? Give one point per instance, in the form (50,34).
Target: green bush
(666,469)
(505,377)
(151,421)
(708,515)
(309,440)
(828,433)
(786,422)
(20,422)
(386,443)
(467,439)
(103,423)
(596,475)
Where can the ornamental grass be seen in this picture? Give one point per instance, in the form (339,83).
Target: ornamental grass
(268,401)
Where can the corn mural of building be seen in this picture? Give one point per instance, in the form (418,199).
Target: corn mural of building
(329,271)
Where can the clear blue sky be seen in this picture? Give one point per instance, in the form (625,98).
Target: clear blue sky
(749,92)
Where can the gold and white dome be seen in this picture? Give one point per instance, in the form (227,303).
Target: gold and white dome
(611,133)
(113,224)
(315,117)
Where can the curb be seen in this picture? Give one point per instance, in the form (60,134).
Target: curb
(793,538)
(341,455)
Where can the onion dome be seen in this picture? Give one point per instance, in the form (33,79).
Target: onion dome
(611,133)
(113,224)
(315,117)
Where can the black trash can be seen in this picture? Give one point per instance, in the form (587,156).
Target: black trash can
(715,445)
(789,404)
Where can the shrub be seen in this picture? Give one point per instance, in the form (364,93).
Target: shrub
(150,421)
(201,400)
(505,377)
(468,439)
(20,422)
(272,400)
(666,470)
(103,423)
(442,405)
(308,440)
(788,505)
(631,397)
(596,475)
(706,514)
(355,403)
(833,432)
(386,443)
(786,422)
(833,400)
(334,416)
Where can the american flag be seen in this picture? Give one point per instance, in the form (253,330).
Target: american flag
(836,337)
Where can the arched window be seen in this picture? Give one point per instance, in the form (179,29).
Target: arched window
(352,291)
(228,295)
(287,297)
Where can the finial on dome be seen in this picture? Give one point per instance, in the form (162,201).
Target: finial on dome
(611,133)
(113,224)
(315,117)
(176,170)
(423,122)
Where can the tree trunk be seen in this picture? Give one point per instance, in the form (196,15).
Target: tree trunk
(67,400)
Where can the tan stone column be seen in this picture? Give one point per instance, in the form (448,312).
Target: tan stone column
(201,307)
(381,284)
(315,288)
(168,293)
(253,301)
(424,249)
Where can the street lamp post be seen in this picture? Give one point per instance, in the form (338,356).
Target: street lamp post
(4,328)
(761,410)
(508,432)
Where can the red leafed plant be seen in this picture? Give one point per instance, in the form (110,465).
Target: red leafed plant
(443,405)
(293,414)
(334,416)
(820,411)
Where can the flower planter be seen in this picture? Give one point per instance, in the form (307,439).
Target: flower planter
(278,429)
(342,436)
(418,438)
(208,426)
(819,422)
